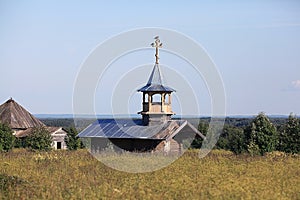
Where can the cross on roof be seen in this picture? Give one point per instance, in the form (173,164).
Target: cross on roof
(157,44)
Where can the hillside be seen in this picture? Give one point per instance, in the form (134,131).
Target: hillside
(77,175)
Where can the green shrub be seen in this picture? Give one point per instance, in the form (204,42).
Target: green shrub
(39,139)
(6,138)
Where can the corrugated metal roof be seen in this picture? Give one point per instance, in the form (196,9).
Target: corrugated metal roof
(130,128)
(155,82)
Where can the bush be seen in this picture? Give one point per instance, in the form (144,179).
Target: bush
(6,138)
(39,139)
(19,143)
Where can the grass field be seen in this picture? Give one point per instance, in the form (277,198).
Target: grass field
(78,175)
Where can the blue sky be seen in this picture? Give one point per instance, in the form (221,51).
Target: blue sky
(254,44)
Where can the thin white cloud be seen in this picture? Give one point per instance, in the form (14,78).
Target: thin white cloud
(296,84)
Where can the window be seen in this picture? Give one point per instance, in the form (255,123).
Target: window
(156,98)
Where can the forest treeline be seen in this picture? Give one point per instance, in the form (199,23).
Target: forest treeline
(256,135)
(240,122)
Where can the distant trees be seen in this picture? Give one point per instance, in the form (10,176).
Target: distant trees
(6,138)
(233,139)
(202,128)
(240,135)
(257,136)
(72,141)
(39,139)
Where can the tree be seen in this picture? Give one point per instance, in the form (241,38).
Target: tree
(236,140)
(289,137)
(72,141)
(6,138)
(223,142)
(39,139)
(203,128)
(233,139)
(262,134)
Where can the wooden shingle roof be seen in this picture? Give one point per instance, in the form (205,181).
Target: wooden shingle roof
(17,117)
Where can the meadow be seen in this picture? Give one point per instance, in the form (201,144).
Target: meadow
(78,175)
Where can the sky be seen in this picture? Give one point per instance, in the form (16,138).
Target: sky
(255,46)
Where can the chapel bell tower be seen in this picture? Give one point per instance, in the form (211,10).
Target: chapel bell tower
(157,101)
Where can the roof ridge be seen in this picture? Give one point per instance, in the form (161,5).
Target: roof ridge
(10,106)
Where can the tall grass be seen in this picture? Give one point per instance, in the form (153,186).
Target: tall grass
(78,175)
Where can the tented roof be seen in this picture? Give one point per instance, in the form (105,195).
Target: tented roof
(16,116)
(155,82)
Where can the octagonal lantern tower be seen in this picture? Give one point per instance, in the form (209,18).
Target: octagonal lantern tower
(159,109)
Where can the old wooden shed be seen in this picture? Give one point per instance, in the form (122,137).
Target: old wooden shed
(23,123)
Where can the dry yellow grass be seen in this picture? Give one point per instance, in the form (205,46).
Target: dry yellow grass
(220,175)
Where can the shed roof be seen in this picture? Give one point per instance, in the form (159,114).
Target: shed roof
(155,82)
(52,130)
(134,129)
(16,116)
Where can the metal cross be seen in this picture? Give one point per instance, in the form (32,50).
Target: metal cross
(157,44)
